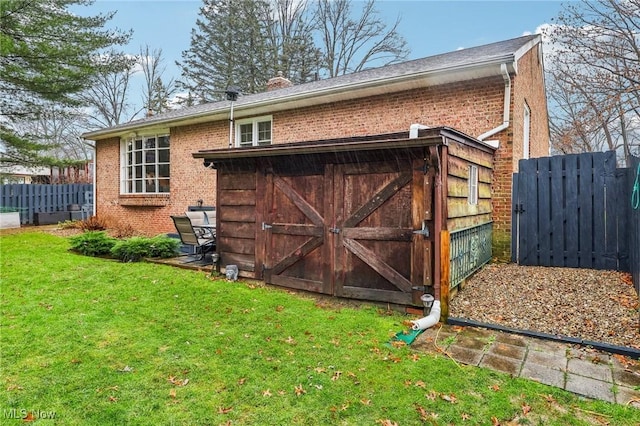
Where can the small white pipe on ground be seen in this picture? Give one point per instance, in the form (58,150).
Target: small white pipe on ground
(430,320)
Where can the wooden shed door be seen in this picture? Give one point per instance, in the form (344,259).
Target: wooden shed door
(374,225)
(348,230)
(295,231)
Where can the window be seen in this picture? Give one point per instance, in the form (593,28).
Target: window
(145,165)
(473,185)
(253,132)
(526,127)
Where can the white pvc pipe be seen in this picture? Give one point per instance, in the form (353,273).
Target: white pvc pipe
(430,320)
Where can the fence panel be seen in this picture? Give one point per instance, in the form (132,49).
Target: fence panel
(633,201)
(29,199)
(571,211)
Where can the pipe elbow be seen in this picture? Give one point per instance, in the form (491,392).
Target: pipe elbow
(430,320)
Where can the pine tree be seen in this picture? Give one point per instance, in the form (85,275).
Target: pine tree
(48,55)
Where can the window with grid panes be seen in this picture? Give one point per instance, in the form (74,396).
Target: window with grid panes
(145,165)
(253,132)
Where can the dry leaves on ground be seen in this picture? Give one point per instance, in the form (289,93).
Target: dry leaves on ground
(600,306)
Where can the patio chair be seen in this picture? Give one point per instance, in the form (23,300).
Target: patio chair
(202,224)
(189,236)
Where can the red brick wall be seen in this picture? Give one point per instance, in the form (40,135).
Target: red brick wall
(526,87)
(471,107)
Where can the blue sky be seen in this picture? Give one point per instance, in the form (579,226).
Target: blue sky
(430,27)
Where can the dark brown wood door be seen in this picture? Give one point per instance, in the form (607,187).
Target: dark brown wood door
(374,224)
(349,230)
(296,232)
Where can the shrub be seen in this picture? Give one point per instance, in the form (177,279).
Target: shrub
(69,224)
(92,243)
(93,223)
(137,248)
(163,246)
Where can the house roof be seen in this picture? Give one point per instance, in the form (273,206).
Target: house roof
(460,65)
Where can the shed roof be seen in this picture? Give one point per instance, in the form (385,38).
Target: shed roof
(395,141)
(460,65)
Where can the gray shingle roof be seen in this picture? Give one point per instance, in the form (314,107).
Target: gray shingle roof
(469,57)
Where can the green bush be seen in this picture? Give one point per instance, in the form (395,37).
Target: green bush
(92,243)
(137,248)
(163,246)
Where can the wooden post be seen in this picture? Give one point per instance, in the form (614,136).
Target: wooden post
(444,274)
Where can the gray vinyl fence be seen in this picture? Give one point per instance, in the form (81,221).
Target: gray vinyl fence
(29,199)
(577,211)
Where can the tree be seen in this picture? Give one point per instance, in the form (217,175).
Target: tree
(350,45)
(108,95)
(595,76)
(156,94)
(47,56)
(229,47)
(294,52)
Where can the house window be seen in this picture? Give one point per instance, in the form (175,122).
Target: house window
(253,132)
(145,165)
(526,130)
(473,185)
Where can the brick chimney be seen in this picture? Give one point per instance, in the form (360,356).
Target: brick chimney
(278,82)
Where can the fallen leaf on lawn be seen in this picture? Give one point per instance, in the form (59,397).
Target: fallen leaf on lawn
(172,393)
(526,409)
(178,382)
(279,308)
(457,328)
(365,401)
(407,383)
(319,369)
(420,384)
(281,392)
(398,343)
(241,381)
(465,416)
(449,398)
(549,398)
(336,375)
(290,340)
(266,393)
(344,407)
(387,422)
(29,417)
(495,421)
(224,410)
(75,361)
(415,357)
(299,390)
(495,388)
(432,395)
(422,412)
(113,398)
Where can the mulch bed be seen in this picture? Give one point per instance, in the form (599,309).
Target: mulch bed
(600,306)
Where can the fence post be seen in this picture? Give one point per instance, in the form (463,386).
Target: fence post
(445,271)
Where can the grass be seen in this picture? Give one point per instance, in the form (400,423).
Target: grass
(98,342)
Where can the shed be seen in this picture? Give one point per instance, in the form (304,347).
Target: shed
(362,218)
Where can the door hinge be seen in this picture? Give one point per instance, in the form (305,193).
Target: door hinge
(266,226)
(519,208)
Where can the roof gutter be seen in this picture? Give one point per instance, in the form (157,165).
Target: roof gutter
(318,94)
(507,106)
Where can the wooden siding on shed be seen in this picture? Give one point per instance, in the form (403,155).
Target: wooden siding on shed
(460,213)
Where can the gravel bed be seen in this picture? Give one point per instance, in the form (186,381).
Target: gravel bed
(600,306)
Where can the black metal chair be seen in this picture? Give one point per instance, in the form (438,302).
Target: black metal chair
(189,236)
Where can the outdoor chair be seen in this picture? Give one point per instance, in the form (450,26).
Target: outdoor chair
(202,245)
(202,225)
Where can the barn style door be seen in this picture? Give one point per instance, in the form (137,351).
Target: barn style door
(374,232)
(355,230)
(296,230)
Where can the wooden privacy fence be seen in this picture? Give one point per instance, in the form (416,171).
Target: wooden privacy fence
(31,199)
(575,211)
(634,218)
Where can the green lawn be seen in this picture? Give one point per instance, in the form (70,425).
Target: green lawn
(97,342)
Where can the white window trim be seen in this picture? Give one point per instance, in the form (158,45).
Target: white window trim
(526,132)
(473,185)
(254,121)
(124,164)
